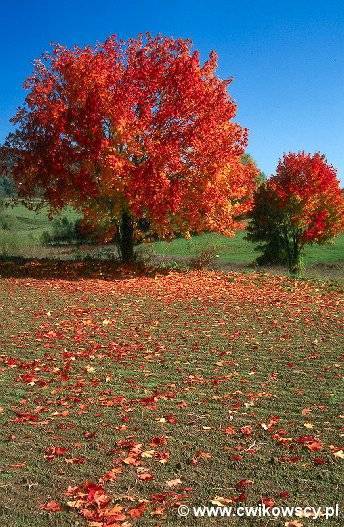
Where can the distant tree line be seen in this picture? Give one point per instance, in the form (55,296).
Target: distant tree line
(7,184)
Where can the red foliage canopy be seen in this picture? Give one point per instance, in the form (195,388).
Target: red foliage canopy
(141,125)
(309,193)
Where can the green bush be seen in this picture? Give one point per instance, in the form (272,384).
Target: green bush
(63,231)
(8,248)
(4,223)
(265,226)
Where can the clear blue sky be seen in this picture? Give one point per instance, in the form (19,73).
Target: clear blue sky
(287,58)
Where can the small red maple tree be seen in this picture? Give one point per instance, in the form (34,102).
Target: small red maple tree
(301,204)
(135,130)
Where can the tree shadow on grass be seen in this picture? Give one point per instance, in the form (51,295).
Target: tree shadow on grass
(110,270)
(53,269)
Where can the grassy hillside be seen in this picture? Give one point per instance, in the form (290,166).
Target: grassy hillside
(24,228)
(21,227)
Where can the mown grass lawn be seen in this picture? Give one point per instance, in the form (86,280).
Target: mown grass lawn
(239,250)
(183,388)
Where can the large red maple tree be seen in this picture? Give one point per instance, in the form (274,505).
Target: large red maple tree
(136,129)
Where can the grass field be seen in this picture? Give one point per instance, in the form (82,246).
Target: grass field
(178,389)
(239,250)
(24,227)
(24,230)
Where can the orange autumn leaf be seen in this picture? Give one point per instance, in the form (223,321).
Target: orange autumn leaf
(230,430)
(137,512)
(51,506)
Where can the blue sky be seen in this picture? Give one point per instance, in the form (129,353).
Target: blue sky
(287,59)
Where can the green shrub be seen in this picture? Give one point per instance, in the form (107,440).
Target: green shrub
(8,249)
(63,231)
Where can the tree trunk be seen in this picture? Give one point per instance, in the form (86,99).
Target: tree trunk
(126,238)
(295,265)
